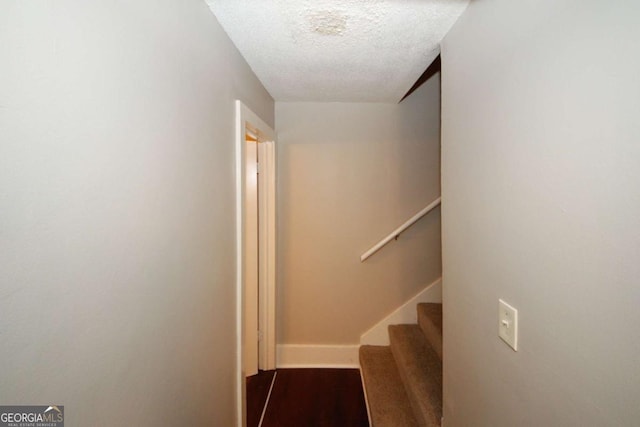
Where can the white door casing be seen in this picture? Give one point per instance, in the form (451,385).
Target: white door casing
(267,251)
(247,121)
(251,280)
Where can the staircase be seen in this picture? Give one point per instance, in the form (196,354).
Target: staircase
(403,381)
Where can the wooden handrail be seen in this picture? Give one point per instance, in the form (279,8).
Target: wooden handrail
(395,233)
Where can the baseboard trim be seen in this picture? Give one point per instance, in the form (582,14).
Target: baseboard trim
(317,356)
(406,313)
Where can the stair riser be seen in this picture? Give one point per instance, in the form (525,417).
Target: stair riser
(430,321)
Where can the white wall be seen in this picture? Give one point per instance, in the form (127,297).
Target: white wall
(348,175)
(117,278)
(541,207)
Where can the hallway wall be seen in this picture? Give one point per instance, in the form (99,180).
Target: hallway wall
(541,207)
(348,174)
(117,195)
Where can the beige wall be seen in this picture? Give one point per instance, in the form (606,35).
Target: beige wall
(348,174)
(541,207)
(117,278)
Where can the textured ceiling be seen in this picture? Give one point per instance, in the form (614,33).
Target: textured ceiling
(337,50)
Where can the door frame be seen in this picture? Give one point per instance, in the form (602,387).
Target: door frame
(248,120)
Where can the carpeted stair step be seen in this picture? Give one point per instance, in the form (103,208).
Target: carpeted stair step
(430,321)
(420,369)
(386,396)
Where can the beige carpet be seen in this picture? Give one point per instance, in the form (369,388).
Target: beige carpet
(430,321)
(388,402)
(404,381)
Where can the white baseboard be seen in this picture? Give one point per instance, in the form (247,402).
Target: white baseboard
(317,356)
(406,313)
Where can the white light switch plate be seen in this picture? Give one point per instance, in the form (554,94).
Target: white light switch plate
(508,324)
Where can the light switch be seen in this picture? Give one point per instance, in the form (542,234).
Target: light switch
(508,324)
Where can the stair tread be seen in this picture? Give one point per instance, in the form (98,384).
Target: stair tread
(420,369)
(430,321)
(388,402)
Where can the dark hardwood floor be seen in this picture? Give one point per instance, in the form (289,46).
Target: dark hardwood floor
(257,391)
(309,398)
